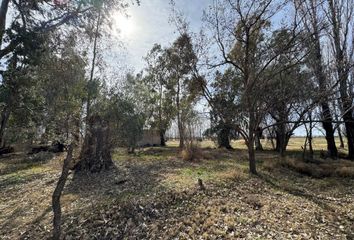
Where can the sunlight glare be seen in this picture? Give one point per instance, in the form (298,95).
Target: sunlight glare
(124,25)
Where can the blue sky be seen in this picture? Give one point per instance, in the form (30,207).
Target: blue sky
(150,24)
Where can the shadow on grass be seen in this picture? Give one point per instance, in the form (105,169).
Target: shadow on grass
(15,163)
(290,188)
(16,179)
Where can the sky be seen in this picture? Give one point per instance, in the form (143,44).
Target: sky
(148,24)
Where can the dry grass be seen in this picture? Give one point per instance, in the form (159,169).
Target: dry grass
(161,198)
(191,152)
(320,169)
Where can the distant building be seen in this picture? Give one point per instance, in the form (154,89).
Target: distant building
(150,137)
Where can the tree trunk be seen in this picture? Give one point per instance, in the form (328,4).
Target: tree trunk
(5,115)
(250,145)
(310,136)
(320,74)
(224,138)
(179,120)
(282,139)
(3,12)
(251,156)
(96,153)
(349,127)
(328,127)
(339,130)
(57,194)
(258,137)
(162,138)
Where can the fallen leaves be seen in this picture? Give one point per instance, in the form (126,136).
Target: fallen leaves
(140,199)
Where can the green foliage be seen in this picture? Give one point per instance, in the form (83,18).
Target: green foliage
(126,123)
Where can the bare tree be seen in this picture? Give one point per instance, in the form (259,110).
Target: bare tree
(340,18)
(309,11)
(240,30)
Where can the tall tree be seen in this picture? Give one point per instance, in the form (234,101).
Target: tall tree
(340,17)
(313,24)
(156,80)
(181,62)
(241,32)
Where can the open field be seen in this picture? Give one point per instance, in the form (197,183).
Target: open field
(154,195)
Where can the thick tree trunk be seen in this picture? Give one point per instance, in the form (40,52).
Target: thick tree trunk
(258,137)
(5,115)
(96,153)
(349,127)
(282,141)
(328,127)
(224,138)
(162,138)
(57,194)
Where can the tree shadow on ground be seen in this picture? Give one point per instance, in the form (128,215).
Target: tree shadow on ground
(19,162)
(290,188)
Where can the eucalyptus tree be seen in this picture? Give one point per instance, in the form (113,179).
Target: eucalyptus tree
(28,22)
(241,31)
(224,101)
(162,109)
(291,91)
(181,63)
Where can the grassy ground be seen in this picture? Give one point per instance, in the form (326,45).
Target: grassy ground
(154,195)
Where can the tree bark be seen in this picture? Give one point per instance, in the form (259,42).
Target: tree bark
(5,115)
(340,137)
(3,12)
(179,120)
(162,138)
(258,137)
(250,145)
(95,155)
(224,138)
(57,194)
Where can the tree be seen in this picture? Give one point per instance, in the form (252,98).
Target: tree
(33,20)
(163,110)
(241,33)
(291,91)
(181,62)
(225,99)
(312,22)
(340,18)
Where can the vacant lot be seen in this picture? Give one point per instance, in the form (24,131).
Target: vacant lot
(155,195)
